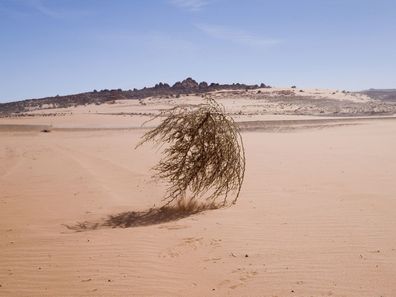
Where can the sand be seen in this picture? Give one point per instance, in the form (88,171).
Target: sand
(316,215)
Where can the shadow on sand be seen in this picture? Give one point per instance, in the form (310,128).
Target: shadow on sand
(148,217)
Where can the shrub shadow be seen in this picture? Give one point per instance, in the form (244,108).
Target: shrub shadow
(152,216)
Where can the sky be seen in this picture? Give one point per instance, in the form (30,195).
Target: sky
(51,47)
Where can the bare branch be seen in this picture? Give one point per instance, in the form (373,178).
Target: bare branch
(205,156)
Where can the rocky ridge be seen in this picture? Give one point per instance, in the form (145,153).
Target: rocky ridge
(187,86)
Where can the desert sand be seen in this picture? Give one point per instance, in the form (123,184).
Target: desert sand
(316,215)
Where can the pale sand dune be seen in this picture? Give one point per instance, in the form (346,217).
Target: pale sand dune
(316,217)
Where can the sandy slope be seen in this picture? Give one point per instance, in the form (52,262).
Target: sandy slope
(251,105)
(315,217)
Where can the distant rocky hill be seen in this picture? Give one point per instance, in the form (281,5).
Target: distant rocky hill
(388,95)
(187,86)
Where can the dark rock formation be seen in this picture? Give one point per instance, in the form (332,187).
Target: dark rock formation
(185,87)
(387,95)
(203,85)
(188,85)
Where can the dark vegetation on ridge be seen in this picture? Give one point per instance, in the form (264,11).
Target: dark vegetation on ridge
(187,86)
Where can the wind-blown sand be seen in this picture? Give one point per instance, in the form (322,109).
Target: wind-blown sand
(316,216)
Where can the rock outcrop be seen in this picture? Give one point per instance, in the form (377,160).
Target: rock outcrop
(187,86)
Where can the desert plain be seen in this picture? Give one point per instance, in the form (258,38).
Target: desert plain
(316,215)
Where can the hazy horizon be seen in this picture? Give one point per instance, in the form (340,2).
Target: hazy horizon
(67,46)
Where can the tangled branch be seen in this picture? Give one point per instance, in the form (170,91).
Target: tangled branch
(204,157)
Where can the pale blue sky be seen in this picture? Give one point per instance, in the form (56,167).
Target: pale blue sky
(50,47)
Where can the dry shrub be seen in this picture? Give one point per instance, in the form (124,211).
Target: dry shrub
(204,157)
